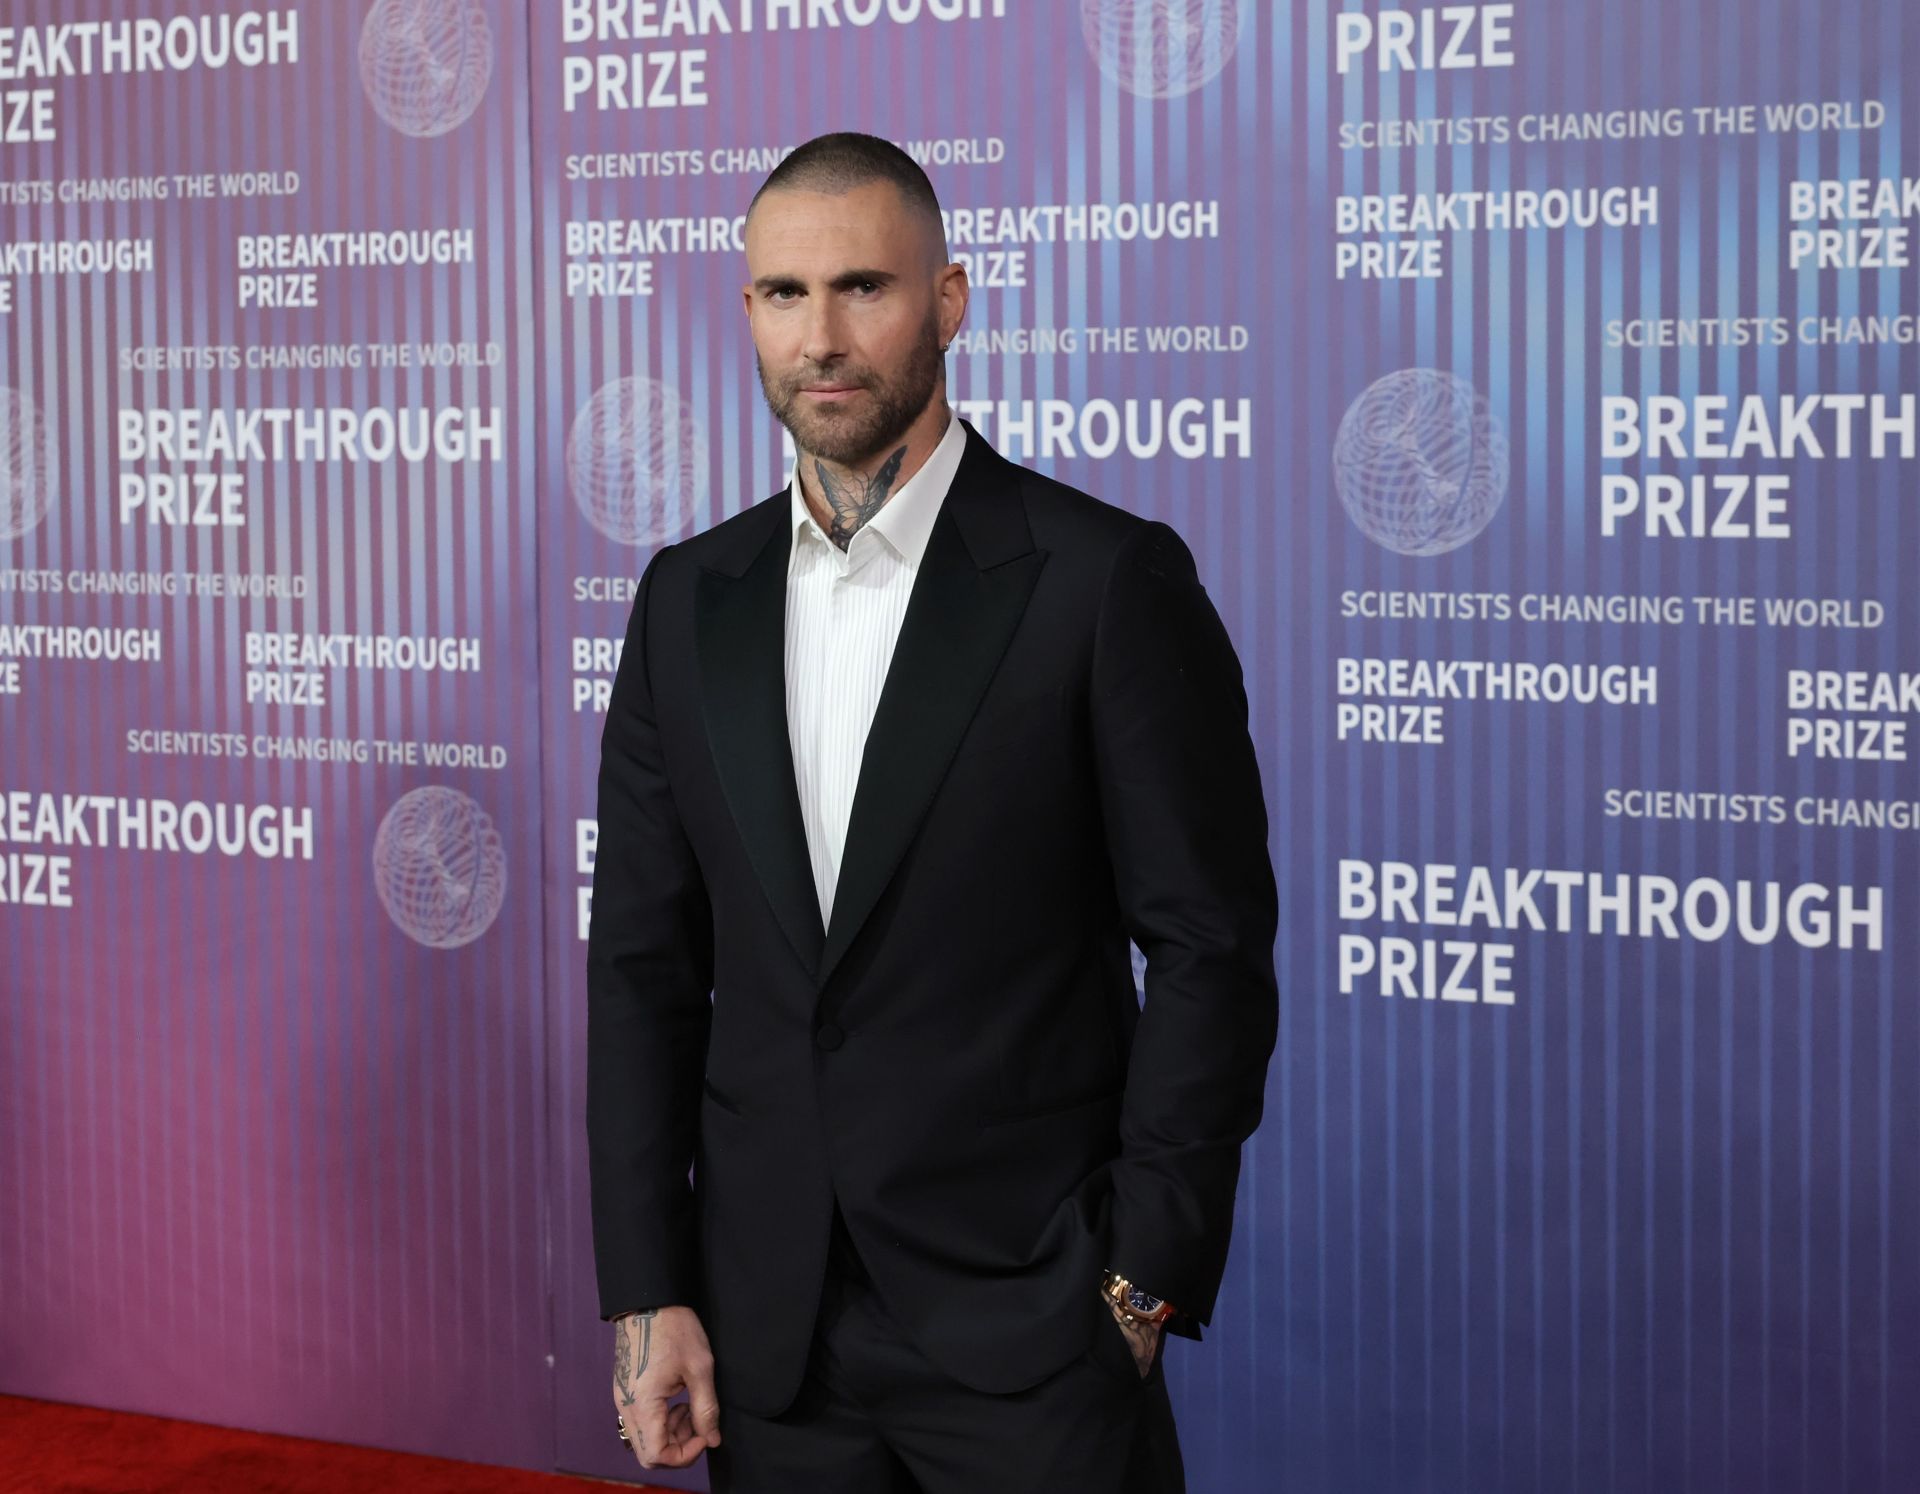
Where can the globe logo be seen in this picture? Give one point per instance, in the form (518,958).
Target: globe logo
(26,478)
(637,461)
(1160,49)
(439,868)
(1420,462)
(425,63)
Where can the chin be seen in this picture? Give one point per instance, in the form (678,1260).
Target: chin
(838,441)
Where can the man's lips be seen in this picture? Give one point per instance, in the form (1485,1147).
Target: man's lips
(830,391)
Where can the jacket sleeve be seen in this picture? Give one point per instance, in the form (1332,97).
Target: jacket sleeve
(649,1008)
(1186,827)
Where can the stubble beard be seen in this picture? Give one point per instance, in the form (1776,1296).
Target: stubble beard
(850,437)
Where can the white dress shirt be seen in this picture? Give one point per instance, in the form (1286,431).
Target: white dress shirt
(843,615)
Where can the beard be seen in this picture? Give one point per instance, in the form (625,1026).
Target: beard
(852,434)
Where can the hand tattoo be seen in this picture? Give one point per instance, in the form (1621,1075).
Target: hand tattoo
(854,502)
(625,1369)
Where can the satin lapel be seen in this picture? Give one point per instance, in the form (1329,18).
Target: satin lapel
(740,624)
(972,588)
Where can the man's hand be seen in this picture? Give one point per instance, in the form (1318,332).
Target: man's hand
(1143,1338)
(656,1355)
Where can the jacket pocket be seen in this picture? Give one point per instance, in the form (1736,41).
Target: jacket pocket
(1117,1352)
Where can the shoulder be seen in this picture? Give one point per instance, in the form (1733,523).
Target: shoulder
(1109,540)
(1066,512)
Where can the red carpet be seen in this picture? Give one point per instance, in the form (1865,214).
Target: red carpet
(49,1448)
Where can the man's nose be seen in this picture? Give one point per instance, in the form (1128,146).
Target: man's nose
(825,336)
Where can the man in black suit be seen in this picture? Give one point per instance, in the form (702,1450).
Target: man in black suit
(896,763)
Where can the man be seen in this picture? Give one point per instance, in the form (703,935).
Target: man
(896,762)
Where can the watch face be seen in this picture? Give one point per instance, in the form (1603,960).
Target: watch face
(1139,1301)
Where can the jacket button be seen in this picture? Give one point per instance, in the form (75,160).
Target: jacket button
(828,1037)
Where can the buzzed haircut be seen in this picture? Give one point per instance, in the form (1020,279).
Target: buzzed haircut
(837,163)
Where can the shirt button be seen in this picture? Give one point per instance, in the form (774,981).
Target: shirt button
(828,1037)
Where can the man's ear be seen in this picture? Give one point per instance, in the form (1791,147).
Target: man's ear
(954,292)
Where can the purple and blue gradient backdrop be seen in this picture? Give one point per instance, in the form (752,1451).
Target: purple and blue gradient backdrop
(265,1160)
(1648,1228)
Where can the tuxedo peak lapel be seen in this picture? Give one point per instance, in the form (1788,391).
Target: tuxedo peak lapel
(740,627)
(971,590)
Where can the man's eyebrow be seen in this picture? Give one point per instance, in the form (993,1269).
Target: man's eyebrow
(768,284)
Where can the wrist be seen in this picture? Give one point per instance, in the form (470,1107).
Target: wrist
(1133,1301)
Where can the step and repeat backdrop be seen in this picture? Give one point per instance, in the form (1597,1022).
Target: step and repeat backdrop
(1536,386)
(273,1054)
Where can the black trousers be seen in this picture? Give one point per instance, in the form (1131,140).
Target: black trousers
(873,1416)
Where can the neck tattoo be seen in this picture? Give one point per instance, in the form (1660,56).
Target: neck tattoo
(855,499)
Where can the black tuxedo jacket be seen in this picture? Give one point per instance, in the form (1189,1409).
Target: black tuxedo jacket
(1059,760)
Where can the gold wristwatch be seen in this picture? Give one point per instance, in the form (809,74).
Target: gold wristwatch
(1141,1306)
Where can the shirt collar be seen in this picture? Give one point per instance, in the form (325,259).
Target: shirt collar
(906,519)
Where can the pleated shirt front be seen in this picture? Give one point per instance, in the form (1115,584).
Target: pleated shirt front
(844,610)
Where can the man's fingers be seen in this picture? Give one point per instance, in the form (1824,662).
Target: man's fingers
(705,1403)
(679,1445)
(689,1450)
(653,1432)
(669,1437)
(684,1443)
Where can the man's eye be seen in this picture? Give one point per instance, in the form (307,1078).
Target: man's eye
(867,285)
(783,291)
